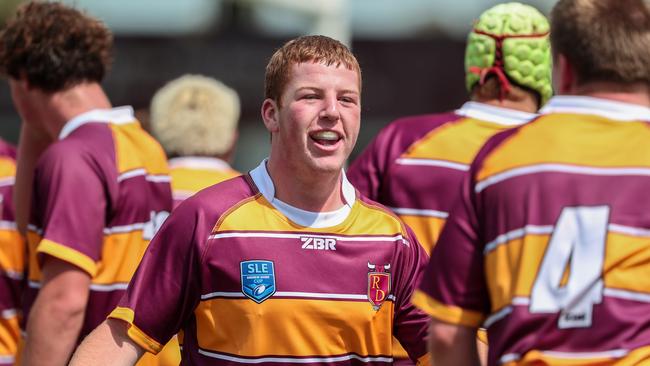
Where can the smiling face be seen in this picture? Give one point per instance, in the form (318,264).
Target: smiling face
(315,124)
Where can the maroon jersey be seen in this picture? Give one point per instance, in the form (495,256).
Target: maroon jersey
(250,279)
(549,247)
(416,164)
(12,259)
(100,192)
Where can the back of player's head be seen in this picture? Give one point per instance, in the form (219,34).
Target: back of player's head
(318,49)
(510,42)
(54,46)
(604,40)
(195,115)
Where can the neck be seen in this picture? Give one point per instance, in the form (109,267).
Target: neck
(309,192)
(528,104)
(637,93)
(64,105)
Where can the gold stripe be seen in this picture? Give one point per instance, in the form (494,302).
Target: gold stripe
(638,356)
(137,335)
(12,251)
(427,229)
(447,313)
(626,266)
(123,253)
(368,220)
(9,336)
(568,139)
(290,327)
(7,167)
(135,149)
(456,142)
(68,254)
(194,180)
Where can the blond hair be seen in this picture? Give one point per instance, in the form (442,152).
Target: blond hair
(195,115)
(319,49)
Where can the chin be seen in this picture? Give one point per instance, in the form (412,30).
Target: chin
(328,165)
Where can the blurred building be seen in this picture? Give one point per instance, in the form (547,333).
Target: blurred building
(411,52)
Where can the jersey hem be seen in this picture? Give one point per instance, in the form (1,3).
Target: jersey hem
(446,313)
(137,335)
(67,254)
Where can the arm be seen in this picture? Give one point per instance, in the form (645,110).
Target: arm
(57,315)
(107,345)
(452,344)
(32,143)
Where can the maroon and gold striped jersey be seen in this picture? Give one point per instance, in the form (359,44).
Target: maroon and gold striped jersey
(415,165)
(100,193)
(250,279)
(549,247)
(191,174)
(12,259)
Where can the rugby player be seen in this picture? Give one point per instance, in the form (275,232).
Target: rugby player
(101,188)
(287,264)
(195,118)
(548,247)
(12,259)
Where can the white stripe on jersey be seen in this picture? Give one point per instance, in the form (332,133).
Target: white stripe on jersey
(433,162)
(273,235)
(8,181)
(516,234)
(307,295)
(419,212)
(162,178)
(289,360)
(558,168)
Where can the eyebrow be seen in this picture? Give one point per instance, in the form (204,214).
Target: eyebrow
(313,88)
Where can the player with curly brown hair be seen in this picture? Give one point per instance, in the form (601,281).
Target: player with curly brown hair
(100,187)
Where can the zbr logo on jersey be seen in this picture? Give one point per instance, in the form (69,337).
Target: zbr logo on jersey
(257,279)
(378,284)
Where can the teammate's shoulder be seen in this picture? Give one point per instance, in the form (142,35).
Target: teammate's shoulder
(425,121)
(219,198)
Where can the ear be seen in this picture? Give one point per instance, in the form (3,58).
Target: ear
(271,115)
(565,75)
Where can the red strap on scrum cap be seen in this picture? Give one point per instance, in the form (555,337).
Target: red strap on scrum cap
(497,66)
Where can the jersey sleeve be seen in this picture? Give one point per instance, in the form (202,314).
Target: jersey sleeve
(411,323)
(69,207)
(453,287)
(165,289)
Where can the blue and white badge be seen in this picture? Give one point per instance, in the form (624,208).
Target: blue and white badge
(257,279)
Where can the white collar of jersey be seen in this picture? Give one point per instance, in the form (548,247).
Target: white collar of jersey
(198,162)
(615,110)
(263,181)
(117,115)
(490,113)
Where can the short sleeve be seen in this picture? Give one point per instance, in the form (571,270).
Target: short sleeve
(453,288)
(165,289)
(69,207)
(411,323)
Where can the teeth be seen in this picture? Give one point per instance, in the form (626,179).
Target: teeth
(326,135)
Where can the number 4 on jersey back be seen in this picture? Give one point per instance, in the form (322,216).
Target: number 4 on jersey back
(578,240)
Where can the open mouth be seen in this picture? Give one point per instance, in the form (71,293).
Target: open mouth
(326,138)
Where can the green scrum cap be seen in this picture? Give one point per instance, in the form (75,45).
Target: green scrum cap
(510,41)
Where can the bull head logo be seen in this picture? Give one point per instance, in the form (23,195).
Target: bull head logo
(378,284)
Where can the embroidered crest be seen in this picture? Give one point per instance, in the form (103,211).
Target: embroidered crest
(378,284)
(257,279)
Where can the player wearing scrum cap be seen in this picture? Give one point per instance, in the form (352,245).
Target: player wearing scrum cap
(195,119)
(548,246)
(415,165)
